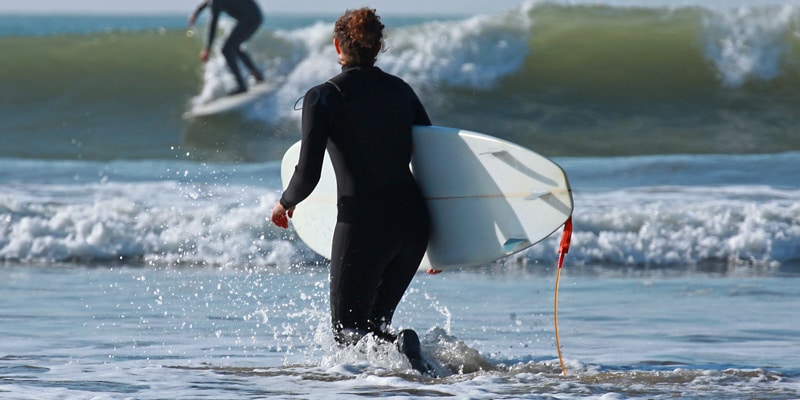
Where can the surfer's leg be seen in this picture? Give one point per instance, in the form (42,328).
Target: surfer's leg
(232,50)
(245,57)
(397,275)
(411,241)
(356,256)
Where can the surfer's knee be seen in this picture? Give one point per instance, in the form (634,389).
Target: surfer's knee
(230,49)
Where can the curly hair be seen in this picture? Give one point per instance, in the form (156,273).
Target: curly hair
(360,36)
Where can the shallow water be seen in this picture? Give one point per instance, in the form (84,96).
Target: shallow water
(148,333)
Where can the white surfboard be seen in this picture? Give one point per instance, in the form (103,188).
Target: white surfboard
(227,104)
(488,198)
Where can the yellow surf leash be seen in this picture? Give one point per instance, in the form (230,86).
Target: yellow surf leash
(563,249)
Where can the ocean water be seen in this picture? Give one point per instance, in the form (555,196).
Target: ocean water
(136,261)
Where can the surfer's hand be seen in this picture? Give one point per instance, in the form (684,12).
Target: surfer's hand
(204,55)
(280,216)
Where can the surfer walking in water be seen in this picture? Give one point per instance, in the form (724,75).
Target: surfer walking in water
(363,118)
(248,18)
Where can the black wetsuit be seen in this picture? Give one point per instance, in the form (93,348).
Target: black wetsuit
(363,117)
(248,16)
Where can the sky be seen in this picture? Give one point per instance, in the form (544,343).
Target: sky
(412,7)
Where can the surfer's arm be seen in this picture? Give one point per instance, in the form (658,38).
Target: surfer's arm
(312,149)
(212,27)
(197,11)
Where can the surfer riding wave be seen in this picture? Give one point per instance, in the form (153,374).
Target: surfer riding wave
(248,16)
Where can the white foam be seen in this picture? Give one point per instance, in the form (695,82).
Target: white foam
(682,226)
(160,223)
(472,53)
(315,62)
(748,43)
(170,223)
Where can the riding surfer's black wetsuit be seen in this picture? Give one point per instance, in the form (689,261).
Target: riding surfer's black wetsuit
(363,117)
(248,16)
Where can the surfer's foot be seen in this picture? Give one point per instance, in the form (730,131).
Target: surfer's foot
(408,344)
(258,76)
(236,91)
